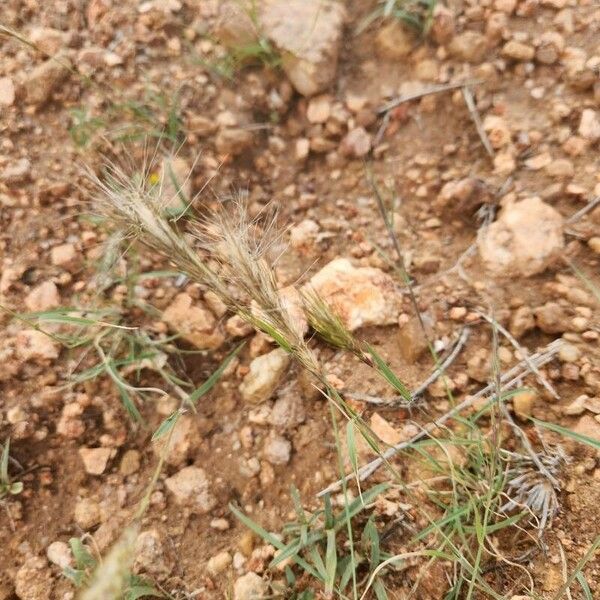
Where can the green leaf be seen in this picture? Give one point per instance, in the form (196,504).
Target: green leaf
(329,518)
(4,462)
(379,589)
(139,591)
(347,568)
(388,374)
(351,443)
(587,592)
(128,402)
(330,561)
(77,576)
(166,425)
(16,488)
(359,504)
(212,380)
(578,437)
(371,533)
(82,556)
(271,539)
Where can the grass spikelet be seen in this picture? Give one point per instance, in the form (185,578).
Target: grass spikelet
(111,576)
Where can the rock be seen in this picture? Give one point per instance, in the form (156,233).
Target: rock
(589,125)
(64,255)
(469,47)
(16,172)
(505,6)
(427,70)
(50,41)
(7,91)
(220,524)
(69,424)
(552,318)
(309,43)
(150,555)
(525,239)
(479,366)
(249,587)
(195,323)
(87,513)
(394,41)
(235,27)
(356,143)
(361,296)
(497,131)
(577,407)
(44,79)
(175,184)
(238,327)
(569,353)
(441,28)
(589,427)
(551,46)
(218,563)
(518,51)
(561,168)
(504,163)
(540,161)
(384,430)
(523,403)
(191,488)
(184,440)
(59,554)
(264,376)
(95,460)
(303,235)
(319,109)
(43,297)
(593,405)
(521,321)
(277,450)
(233,140)
(130,463)
(35,346)
(302,149)
(288,410)
(594,244)
(33,580)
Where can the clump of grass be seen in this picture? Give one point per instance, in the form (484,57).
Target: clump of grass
(417,14)
(155,116)
(316,542)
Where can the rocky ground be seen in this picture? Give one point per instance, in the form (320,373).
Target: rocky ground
(491,189)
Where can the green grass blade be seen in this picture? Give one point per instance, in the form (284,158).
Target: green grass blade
(330,561)
(578,437)
(271,539)
(166,425)
(4,462)
(212,380)
(379,589)
(587,592)
(387,373)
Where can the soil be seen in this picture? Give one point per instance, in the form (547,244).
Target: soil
(167,56)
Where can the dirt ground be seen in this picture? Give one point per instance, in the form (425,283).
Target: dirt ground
(140,68)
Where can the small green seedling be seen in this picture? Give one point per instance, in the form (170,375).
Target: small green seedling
(7,486)
(85,564)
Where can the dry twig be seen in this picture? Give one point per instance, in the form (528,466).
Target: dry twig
(507,380)
(434,89)
(468,96)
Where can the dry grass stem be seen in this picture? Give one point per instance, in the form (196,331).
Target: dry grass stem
(507,380)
